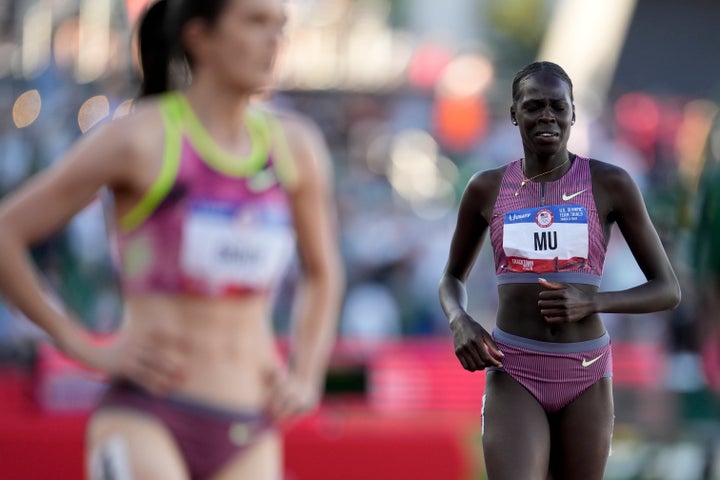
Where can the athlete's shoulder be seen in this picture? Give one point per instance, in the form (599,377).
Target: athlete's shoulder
(119,135)
(483,187)
(143,121)
(485,180)
(297,127)
(141,128)
(613,187)
(613,177)
(304,140)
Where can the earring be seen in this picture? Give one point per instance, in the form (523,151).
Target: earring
(514,122)
(572,122)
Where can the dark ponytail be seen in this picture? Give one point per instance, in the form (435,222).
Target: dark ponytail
(162,55)
(155,50)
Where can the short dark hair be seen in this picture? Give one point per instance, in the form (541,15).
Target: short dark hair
(537,67)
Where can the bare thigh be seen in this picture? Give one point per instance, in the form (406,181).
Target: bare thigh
(581,434)
(127,445)
(261,461)
(516,433)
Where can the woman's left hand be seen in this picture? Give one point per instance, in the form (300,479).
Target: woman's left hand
(291,396)
(564,303)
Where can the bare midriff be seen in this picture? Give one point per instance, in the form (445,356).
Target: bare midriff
(226,347)
(519,315)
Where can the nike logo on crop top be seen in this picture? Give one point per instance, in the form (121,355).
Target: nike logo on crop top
(540,233)
(567,197)
(219,225)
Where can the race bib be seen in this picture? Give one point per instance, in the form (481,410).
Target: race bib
(546,239)
(227,246)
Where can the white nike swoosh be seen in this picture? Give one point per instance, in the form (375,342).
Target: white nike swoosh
(567,197)
(587,363)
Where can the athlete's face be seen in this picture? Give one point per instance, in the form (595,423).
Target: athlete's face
(544,113)
(242,46)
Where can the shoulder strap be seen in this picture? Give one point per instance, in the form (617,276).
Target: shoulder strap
(282,156)
(172,122)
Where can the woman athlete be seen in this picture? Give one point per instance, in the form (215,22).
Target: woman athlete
(211,196)
(548,404)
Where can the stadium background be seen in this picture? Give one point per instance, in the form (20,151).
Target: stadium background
(413,97)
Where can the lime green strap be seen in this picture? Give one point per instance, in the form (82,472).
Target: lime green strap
(284,162)
(168,172)
(264,128)
(216,157)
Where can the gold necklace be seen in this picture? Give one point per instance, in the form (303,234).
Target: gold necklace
(526,180)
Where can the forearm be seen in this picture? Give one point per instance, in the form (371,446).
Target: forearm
(653,296)
(453,296)
(316,317)
(20,286)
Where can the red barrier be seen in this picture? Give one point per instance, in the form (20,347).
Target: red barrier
(419,418)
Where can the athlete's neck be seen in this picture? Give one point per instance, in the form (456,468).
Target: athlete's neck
(534,165)
(220,109)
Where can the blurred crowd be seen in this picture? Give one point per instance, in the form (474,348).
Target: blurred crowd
(406,132)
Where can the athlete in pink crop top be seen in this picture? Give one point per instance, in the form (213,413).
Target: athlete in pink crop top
(212,198)
(205,228)
(549,230)
(548,399)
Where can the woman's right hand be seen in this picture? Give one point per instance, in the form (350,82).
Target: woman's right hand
(148,362)
(474,346)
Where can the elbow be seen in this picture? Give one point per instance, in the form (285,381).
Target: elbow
(675,296)
(9,240)
(329,277)
(671,294)
(442,285)
(447,279)
(339,279)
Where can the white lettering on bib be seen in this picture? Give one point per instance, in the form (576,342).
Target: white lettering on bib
(546,239)
(229,247)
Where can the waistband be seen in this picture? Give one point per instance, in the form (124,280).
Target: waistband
(551,347)
(565,277)
(180,401)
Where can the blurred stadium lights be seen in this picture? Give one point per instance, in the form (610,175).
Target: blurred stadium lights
(65,44)
(94,46)
(692,137)
(420,176)
(637,116)
(460,113)
(427,65)
(26,108)
(124,108)
(333,46)
(467,75)
(322,13)
(92,112)
(7,54)
(585,37)
(36,39)
(638,113)
(459,122)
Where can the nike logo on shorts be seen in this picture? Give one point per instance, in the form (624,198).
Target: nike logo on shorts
(587,363)
(567,197)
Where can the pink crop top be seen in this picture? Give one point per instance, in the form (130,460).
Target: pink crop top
(212,224)
(548,230)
